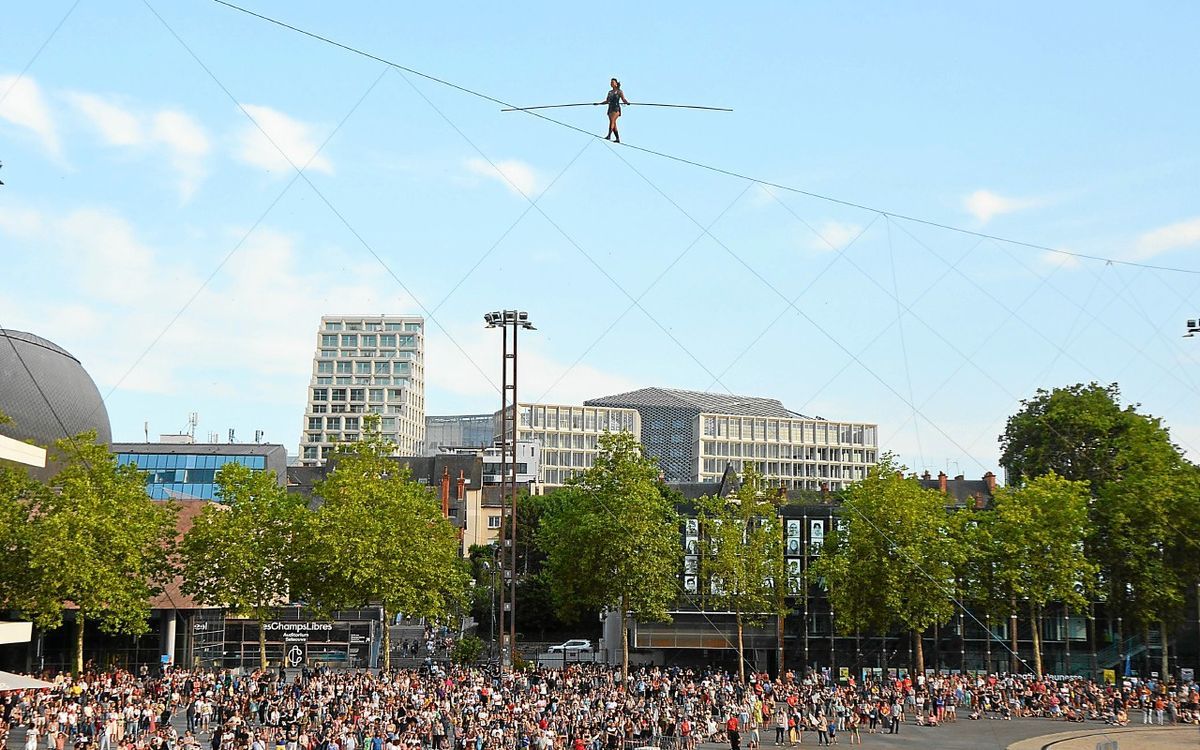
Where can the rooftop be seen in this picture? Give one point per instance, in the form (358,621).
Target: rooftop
(718,403)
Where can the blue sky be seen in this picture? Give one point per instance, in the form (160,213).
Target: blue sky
(132,175)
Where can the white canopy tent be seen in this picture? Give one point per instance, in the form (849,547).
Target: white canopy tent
(10,681)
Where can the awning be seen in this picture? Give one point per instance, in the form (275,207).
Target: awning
(10,681)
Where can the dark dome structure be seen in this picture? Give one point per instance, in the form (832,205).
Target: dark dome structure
(76,402)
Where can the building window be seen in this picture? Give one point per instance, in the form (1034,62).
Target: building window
(358,394)
(339,394)
(383,368)
(314,423)
(383,380)
(387,339)
(325,367)
(328,353)
(368,340)
(392,327)
(366,352)
(344,367)
(395,394)
(351,423)
(349,339)
(329,339)
(318,409)
(333,326)
(362,368)
(320,394)
(343,380)
(333,423)
(493,522)
(376,395)
(407,342)
(314,437)
(356,326)
(389,424)
(310,451)
(324,380)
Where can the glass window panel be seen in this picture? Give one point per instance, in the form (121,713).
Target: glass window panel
(349,339)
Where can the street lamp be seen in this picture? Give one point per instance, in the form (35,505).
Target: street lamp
(1193,327)
(504,320)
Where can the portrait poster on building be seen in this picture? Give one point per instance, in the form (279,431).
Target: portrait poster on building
(816,534)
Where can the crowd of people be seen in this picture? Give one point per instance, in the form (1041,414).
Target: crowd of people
(582,707)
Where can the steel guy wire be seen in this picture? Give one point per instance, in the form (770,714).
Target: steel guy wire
(242,240)
(646,291)
(38,52)
(700,165)
(317,191)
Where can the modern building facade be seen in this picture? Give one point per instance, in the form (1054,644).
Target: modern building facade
(458,431)
(187,471)
(695,436)
(567,434)
(362,365)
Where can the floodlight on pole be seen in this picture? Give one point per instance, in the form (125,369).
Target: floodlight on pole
(504,320)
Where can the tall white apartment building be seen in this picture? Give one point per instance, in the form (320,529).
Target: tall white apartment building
(366,364)
(568,434)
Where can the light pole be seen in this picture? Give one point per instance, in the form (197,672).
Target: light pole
(509,431)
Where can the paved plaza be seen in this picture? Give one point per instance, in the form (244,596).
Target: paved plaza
(1018,734)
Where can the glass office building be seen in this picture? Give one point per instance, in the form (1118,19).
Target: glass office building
(188,471)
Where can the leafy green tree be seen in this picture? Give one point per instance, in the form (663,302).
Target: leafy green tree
(242,553)
(380,537)
(1143,507)
(102,545)
(1038,532)
(612,539)
(743,560)
(895,562)
(467,651)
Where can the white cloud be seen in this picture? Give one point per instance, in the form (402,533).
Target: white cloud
(833,235)
(1164,239)
(985,205)
(25,107)
(188,145)
(19,222)
(514,174)
(118,126)
(1060,260)
(292,136)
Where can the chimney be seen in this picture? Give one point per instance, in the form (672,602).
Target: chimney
(824,492)
(942,481)
(990,478)
(980,501)
(925,476)
(462,486)
(445,492)
(958,477)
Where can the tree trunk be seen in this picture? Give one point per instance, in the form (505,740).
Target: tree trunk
(779,670)
(78,642)
(1015,666)
(919,658)
(1092,640)
(387,641)
(1035,622)
(741,650)
(262,645)
(624,645)
(1166,664)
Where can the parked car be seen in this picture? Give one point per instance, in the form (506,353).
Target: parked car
(573,646)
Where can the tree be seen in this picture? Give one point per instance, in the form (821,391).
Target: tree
(1143,516)
(894,564)
(612,539)
(1038,532)
(102,545)
(242,554)
(380,537)
(1074,431)
(743,563)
